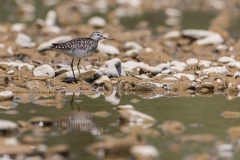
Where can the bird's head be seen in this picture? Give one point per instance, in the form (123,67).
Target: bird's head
(97,36)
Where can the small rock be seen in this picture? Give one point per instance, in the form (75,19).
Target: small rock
(173,12)
(173,127)
(226,59)
(197,138)
(32,139)
(222,47)
(237,74)
(164,66)
(143,152)
(179,66)
(225,150)
(113,68)
(205,87)
(234,64)
(16,89)
(8,104)
(109,145)
(11,72)
(172,35)
(45,102)
(34,85)
(221,70)
(98,22)
(142,76)
(145,86)
(214,38)
(170,79)
(101,80)
(51,18)
(127,106)
(167,71)
(133,45)
(108,49)
(60,149)
(7,150)
(230,114)
(7,127)
(179,75)
(234,131)
(205,37)
(19,65)
(102,114)
(18,27)
(192,61)
(132,52)
(24,40)
(130,115)
(130,65)
(205,63)
(44,70)
(153,70)
(6,95)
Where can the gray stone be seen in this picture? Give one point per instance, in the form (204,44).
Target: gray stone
(44,70)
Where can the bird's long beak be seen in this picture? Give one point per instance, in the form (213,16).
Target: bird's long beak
(107,38)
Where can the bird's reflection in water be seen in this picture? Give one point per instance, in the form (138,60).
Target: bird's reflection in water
(72,100)
(79,121)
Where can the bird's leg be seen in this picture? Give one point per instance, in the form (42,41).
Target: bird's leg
(78,66)
(72,101)
(73,71)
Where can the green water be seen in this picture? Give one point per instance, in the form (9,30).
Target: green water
(188,110)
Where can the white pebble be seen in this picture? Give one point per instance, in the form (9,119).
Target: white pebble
(19,65)
(97,22)
(205,63)
(226,59)
(108,49)
(113,68)
(146,151)
(101,79)
(220,70)
(18,27)
(10,72)
(179,75)
(192,61)
(133,45)
(6,124)
(44,70)
(172,35)
(6,95)
(237,74)
(234,64)
(24,40)
(130,65)
(51,18)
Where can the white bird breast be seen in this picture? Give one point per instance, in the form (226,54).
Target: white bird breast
(76,53)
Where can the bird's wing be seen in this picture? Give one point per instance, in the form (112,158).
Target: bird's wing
(78,43)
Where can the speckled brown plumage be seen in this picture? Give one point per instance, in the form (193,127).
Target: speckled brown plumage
(86,44)
(79,47)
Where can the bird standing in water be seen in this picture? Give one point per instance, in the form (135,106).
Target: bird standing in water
(79,47)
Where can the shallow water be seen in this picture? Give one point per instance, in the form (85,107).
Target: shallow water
(200,115)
